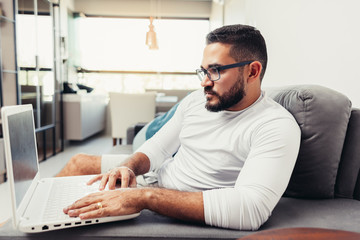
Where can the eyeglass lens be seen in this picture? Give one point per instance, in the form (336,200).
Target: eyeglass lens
(212,73)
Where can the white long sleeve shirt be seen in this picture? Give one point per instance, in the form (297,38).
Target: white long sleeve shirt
(241,160)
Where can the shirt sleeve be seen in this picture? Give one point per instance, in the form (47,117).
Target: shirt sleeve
(261,182)
(110,161)
(165,143)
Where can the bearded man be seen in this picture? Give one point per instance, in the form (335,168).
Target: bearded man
(225,157)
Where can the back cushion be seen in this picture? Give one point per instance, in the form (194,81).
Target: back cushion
(323,116)
(348,178)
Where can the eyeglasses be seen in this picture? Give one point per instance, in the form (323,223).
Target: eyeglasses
(213,73)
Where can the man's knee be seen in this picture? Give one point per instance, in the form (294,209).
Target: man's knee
(86,164)
(81,164)
(78,161)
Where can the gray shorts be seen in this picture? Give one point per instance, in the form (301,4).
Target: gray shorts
(109,162)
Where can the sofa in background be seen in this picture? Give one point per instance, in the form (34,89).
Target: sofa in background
(84,115)
(178,93)
(324,190)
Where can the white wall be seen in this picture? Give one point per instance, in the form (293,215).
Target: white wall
(309,41)
(217,15)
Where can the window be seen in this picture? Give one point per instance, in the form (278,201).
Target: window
(117,45)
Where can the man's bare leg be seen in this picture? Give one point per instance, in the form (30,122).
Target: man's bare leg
(81,164)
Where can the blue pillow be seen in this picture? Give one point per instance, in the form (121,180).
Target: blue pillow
(151,128)
(158,122)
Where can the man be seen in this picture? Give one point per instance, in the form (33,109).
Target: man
(235,147)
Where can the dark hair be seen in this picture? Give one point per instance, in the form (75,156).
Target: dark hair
(247,43)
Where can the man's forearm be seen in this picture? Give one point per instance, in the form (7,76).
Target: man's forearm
(187,206)
(182,205)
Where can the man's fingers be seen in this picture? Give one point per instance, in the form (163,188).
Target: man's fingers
(128,178)
(133,182)
(104,181)
(125,174)
(125,180)
(113,176)
(94,214)
(77,212)
(86,201)
(94,179)
(76,205)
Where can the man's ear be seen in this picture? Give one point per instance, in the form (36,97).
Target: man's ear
(254,71)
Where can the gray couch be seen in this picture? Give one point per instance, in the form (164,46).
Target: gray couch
(324,190)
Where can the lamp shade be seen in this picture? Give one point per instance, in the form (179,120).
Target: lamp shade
(151,40)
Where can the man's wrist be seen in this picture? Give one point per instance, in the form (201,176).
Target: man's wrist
(146,197)
(138,163)
(129,169)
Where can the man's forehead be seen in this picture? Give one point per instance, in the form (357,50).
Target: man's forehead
(215,47)
(216,54)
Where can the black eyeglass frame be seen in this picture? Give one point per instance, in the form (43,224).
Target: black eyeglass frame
(218,69)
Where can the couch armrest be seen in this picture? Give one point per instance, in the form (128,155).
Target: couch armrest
(130,134)
(132,131)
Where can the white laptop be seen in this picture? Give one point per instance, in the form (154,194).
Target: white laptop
(35,207)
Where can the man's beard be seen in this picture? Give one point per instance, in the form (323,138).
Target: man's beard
(235,94)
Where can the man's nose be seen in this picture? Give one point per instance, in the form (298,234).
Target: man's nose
(206,81)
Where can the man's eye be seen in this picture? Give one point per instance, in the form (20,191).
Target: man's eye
(212,70)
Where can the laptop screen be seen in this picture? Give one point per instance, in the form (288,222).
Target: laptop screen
(23,152)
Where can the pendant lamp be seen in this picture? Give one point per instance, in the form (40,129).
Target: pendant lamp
(151,40)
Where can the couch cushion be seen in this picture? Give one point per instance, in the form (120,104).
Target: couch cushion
(340,213)
(152,127)
(158,122)
(348,178)
(323,116)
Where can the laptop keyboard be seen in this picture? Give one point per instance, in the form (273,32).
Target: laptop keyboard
(65,192)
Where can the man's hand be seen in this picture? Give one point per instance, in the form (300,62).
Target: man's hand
(123,174)
(187,206)
(106,203)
